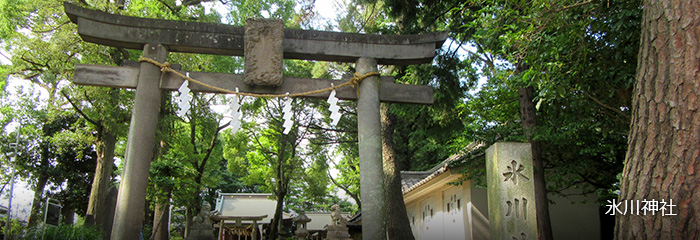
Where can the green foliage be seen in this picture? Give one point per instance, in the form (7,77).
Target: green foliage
(581,61)
(432,133)
(63,232)
(190,155)
(278,9)
(580,57)
(54,151)
(17,228)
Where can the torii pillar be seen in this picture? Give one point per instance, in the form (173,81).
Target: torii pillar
(369,129)
(128,215)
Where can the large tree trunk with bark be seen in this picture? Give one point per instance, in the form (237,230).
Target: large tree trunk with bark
(397,224)
(161,217)
(281,190)
(188,221)
(663,157)
(528,116)
(194,206)
(103,178)
(35,217)
(276,224)
(43,178)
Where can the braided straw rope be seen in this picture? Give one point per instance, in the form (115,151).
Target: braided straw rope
(165,67)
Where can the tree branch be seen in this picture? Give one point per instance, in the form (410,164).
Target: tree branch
(175,11)
(574,5)
(347,191)
(255,137)
(77,109)
(51,29)
(329,129)
(607,106)
(210,149)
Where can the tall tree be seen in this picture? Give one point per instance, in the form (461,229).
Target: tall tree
(663,156)
(48,30)
(396,214)
(274,159)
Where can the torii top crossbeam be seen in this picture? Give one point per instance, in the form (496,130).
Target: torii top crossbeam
(209,38)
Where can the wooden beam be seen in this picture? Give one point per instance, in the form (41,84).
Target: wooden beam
(195,37)
(125,77)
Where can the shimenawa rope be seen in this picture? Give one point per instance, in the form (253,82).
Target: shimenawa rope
(165,67)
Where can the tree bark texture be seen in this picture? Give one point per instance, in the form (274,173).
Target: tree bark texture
(43,178)
(188,221)
(280,188)
(663,156)
(161,212)
(161,216)
(397,223)
(102,180)
(528,116)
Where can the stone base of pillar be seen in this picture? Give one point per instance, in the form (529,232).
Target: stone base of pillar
(337,233)
(201,233)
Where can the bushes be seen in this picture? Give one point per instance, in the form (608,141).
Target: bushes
(64,232)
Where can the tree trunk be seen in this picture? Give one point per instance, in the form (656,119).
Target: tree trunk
(161,218)
(281,189)
(663,156)
(397,223)
(37,203)
(195,205)
(161,212)
(528,117)
(102,180)
(188,221)
(43,178)
(276,225)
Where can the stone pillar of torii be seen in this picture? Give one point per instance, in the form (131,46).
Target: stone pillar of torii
(263,43)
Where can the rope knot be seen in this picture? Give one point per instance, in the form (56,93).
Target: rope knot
(165,67)
(357,77)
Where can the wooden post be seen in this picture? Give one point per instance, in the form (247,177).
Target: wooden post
(370,141)
(221,230)
(139,151)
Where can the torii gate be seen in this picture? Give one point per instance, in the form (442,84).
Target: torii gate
(263,62)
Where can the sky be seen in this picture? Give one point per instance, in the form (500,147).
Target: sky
(21,202)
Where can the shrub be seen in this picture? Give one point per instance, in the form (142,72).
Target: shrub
(64,232)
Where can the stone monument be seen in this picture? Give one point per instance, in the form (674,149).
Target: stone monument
(202,228)
(338,230)
(511,191)
(263,52)
(301,220)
